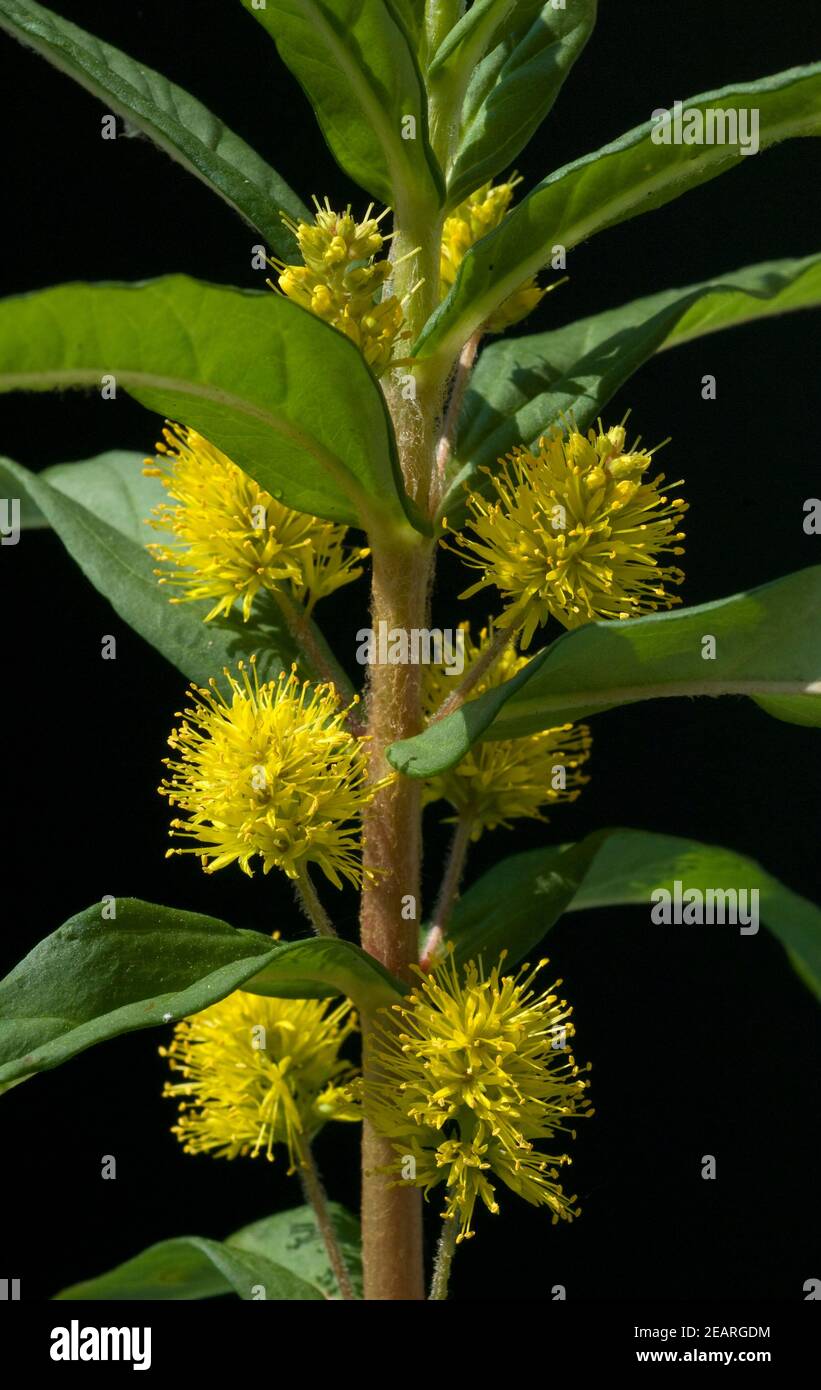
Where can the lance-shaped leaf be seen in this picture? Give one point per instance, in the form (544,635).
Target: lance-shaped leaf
(513,59)
(636,173)
(477,32)
(284,1254)
(284,395)
(192,1267)
(355,62)
(97,977)
(493,915)
(522,386)
(98,508)
(112,486)
(171,117)
(767,646)
(515,903)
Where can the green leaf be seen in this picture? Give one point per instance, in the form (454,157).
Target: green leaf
(10,1085)
(522,386)
(292,1239)
(112,492)
(630,176)
(322,967)
(410,14)
(112,486)
(98,509)
(95,978)
(355,62)
(768,644)
(511,90)
(285,1254)
(173,119)
(31,518)
(514,904)
(192,1267)
(477,31)
(242,368)
(792,709)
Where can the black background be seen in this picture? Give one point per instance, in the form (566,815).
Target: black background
(703,1041)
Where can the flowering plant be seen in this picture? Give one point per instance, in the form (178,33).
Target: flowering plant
(361,412)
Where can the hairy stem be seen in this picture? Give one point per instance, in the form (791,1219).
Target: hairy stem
(392,1216)
(315,1195)
(306,896)
(444,1260)
(449,891)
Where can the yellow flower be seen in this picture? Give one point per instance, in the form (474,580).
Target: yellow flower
(259,1072)
(342,282)
(232,539)
(272,771)
(498,781)
(575,533)
(479,214)
(468,1079)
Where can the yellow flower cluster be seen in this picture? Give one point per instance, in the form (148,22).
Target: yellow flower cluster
(499,780)
(341,281)
(271,771)
(229,539)
(259,1072)
(468,1078)
(479,214)
(575,533)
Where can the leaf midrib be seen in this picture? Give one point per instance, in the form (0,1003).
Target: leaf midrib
(669,689)
(481,308)
(361,91)
(149,381)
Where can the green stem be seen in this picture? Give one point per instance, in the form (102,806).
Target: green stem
(315,1195)
(444,1260)
(309,902)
